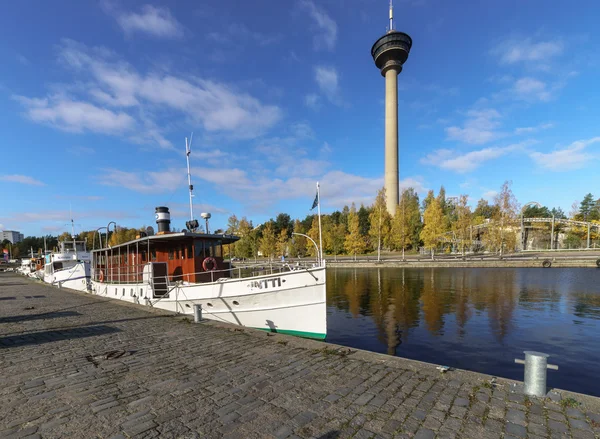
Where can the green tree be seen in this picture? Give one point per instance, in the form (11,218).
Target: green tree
(283,221)
(355,242)
(363,220)
(484,210)
(268,241)
(428,199)
(338,236)
(587,207)
(433,219)
(243,247)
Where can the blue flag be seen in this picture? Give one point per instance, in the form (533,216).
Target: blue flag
(316,202)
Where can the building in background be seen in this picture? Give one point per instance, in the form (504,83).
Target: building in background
(13,236)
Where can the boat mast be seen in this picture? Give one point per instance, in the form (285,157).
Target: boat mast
(188,151)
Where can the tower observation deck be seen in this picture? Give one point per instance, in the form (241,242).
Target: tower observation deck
(390,52)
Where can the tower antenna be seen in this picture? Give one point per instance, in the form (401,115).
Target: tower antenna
(188,151)
(391,15)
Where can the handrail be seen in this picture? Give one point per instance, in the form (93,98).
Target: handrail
(133,274)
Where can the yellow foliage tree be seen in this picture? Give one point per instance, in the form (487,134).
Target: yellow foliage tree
(268,241)
(434,227)
(380,221)
(355,243)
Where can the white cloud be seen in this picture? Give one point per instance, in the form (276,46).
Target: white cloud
(81,150)
(75,116)
(489,195)
(127,102)
(517,50)
(479,128)
(23,59)
(258,191)
(22,179)
(327,35)
(572,157)
(531,89)
(534,129)
(152,20)
(328,82)
(312,101)
(462,163)
(237,34)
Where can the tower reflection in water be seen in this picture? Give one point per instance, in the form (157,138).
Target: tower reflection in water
(477,319)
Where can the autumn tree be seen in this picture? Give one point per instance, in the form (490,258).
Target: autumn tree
(282,242)
(433,219)
(504,235)
(463,222)
(338,236)
(354,242)
(379,223)
(243,247)
(313,232)
(298,246)
(268,241)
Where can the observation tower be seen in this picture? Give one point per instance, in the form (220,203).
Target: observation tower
(390,52)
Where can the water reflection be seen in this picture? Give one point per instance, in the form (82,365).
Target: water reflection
(472,318)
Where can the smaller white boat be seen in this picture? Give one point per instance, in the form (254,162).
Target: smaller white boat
(69,267)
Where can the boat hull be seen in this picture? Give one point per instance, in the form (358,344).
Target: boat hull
(76,277)
(291,302)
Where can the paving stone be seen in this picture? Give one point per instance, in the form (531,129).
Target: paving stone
(516,417)
(516,430)
(557,427)
(195,381)
(425,433)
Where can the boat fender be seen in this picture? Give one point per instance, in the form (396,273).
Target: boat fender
(101,277)
(547,263)
(598,263)
(213,264)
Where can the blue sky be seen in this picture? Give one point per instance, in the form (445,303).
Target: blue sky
(97,98)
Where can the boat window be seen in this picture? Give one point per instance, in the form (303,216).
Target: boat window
(218,249)
(199,250)
(153,254)
(190,250)
(177,253)
(143,255)
(171,253)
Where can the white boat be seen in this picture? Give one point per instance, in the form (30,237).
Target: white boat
(175,271)
(69,267)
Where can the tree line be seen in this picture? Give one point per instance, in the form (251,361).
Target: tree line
(437,223)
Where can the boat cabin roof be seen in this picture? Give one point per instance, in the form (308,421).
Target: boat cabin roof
(175,238)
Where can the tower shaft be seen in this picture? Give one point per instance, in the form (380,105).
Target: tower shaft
(391,176)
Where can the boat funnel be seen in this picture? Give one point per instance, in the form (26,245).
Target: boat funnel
(163,219)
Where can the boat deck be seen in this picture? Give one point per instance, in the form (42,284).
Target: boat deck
(76,365)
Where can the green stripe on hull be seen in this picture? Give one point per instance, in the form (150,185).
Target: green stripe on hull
(303,334)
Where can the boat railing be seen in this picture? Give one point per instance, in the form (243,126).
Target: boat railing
(134,274)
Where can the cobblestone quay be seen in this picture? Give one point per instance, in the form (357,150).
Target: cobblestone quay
(79,366)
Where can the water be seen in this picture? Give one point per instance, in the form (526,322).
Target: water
(478,319)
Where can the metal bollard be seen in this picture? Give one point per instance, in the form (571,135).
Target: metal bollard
(536,364)
(197,313)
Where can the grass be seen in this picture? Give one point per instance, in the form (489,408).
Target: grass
(569,402)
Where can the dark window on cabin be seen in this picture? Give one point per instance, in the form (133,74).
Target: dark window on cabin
(199,249)
(153,254)
(171,254)
(144,255)
(190,251)
(218,250)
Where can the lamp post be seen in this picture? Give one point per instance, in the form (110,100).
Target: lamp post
(311,240)
(108,229)
(100,237)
